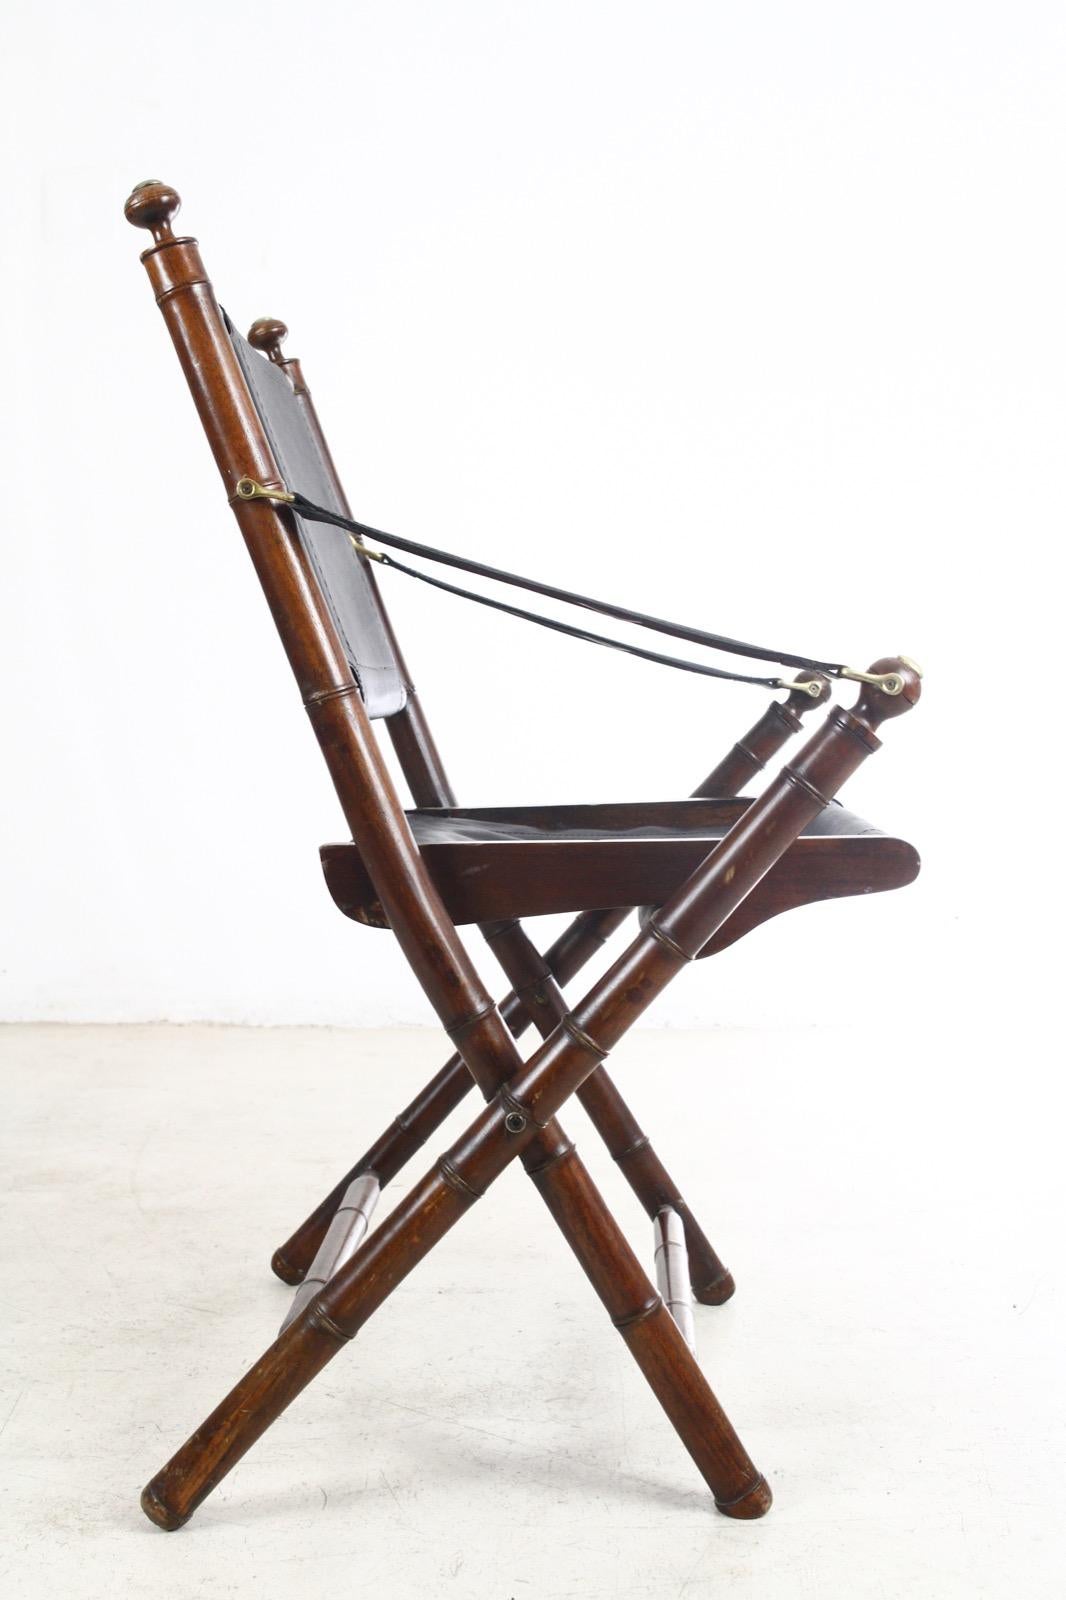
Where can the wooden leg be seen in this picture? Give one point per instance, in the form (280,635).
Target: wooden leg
(534,982)
(634,1306)
(402,1139)
(421,1119)
(391,1252)
(712,1283)
(631,1301)
(637,1310)
(604,1254)
(508,1127)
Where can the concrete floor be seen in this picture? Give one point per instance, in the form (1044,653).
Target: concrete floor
(893,1356)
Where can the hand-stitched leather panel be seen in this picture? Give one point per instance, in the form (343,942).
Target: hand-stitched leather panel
(341,575)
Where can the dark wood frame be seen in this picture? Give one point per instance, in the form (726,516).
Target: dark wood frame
(523,1097)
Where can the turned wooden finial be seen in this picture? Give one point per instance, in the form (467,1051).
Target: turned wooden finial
(875,706)
(151,205)
(267,335)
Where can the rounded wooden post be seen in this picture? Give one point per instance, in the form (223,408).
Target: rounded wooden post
(763,741)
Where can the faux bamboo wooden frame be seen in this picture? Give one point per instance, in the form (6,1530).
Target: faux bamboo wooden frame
(523,1097)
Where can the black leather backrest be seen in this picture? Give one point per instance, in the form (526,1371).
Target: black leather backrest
(341,575)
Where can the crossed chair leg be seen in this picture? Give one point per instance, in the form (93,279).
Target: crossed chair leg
(519,1120)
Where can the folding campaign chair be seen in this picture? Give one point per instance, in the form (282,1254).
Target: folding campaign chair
(706,871)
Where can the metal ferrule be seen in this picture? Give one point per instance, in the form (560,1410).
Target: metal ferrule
(343,1238)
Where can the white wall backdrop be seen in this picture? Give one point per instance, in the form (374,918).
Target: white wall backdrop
(751,315)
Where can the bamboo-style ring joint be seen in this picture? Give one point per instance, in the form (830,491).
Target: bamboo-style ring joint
(799,781)
(540,1167)
(580,1037)
(451,1175)
(648,1309)
(749,755)
(633,1149)
(321,697)
(249,489)
(459,1029)
(668,943)
(319,1319)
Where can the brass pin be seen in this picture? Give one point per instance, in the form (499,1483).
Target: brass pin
(361,550)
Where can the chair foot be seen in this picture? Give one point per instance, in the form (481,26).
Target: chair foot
(754,1502)
(717,1291)
(159,1513)
(285,1270)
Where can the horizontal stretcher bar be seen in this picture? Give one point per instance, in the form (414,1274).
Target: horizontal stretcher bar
(343,1238)
(528,861)
(672,1274)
